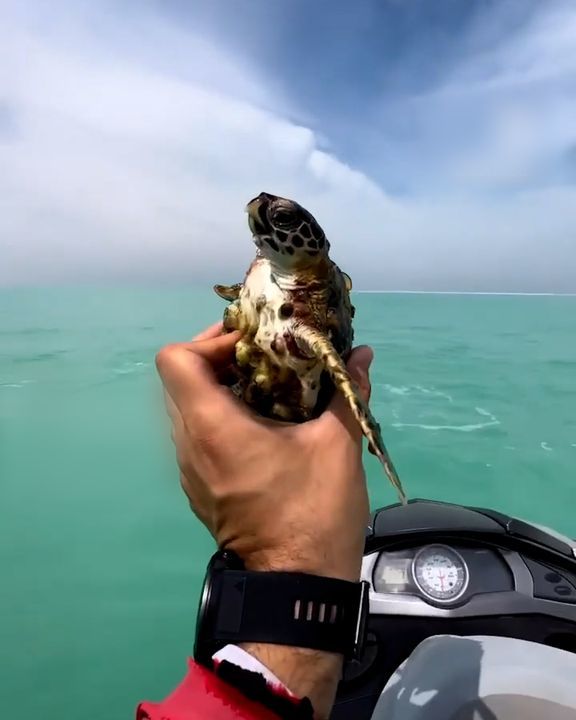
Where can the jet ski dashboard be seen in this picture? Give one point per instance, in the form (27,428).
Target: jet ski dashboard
(441,569)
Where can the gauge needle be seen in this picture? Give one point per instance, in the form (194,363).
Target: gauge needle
(441,578)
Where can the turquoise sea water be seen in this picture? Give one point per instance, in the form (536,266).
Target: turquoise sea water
(100,557)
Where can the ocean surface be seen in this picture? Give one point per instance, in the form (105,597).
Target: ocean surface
(100,557)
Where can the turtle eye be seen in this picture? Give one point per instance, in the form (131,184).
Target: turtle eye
(284,218)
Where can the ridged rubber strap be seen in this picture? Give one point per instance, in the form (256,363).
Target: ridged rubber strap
(290,609)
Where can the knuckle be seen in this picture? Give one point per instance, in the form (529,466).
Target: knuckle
(166,357)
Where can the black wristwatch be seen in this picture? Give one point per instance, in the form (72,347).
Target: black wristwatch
(281,608)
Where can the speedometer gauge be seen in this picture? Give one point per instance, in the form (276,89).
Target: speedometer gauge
(440,573)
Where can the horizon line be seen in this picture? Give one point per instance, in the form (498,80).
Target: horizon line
(194,286)
(465,292)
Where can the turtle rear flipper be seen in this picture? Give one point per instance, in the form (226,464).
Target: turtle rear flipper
(322,348)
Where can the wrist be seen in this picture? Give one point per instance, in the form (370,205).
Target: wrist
(312,562)
(305,673)
(298,619)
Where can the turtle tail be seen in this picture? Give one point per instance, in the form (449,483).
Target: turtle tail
(323,349)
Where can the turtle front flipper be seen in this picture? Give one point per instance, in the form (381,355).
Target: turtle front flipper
(319,345)
(228,292)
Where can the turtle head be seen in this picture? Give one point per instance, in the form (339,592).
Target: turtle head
(286,233)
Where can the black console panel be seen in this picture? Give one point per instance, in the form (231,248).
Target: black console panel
(437,568)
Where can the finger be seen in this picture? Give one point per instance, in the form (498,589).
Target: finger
(220,355)
(217,352)
(213,331)
(210,332)
(218,349)
(339,415)
(189,374)
(222,367)
(359,369)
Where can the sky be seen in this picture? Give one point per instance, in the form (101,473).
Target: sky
(434,141)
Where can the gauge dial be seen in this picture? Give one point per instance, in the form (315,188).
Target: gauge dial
(440,573)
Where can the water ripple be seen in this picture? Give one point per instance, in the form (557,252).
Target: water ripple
(469,427)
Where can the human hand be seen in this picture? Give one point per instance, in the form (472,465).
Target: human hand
(282,496)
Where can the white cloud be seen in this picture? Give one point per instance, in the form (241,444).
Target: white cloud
(114,164)
(504,118)
(118,168)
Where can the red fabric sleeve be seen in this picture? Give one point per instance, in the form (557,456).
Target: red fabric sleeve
(202,694)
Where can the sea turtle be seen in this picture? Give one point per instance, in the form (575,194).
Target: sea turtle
(294,313)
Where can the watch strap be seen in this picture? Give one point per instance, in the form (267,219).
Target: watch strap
(287,608)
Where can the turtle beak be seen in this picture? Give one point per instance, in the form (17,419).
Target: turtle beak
(256,210)
(254,224)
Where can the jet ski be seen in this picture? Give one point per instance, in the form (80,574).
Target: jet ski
(472,617)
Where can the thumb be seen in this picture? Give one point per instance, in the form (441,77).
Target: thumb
(339,415)
(359,367)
